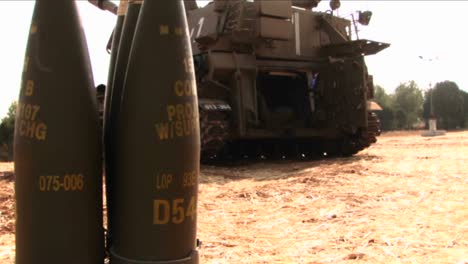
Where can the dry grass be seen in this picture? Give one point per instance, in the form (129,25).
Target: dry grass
(7,213)
(401,201)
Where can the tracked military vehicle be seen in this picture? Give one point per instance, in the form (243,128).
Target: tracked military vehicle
(278,80)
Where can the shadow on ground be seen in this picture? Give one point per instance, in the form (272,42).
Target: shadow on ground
(280,169)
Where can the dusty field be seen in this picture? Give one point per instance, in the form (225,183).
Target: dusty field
(401,201)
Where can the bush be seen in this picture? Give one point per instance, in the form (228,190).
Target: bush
(7,130)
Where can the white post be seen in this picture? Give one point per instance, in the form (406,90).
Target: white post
(432,124)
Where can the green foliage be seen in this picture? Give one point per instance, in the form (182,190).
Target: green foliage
(386,116)
(7,128)
(380,96)
(448,105)
(407,105)
(465,108)
(465,102)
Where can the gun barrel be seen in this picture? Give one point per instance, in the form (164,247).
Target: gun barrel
(105,5)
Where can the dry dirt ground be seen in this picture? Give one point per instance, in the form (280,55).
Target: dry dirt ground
(400,201)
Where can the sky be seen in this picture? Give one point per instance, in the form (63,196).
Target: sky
(433,30)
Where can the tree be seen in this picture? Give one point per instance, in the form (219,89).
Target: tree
(407,105)
(386,116)
(7,128)
(447,103)
(465,108)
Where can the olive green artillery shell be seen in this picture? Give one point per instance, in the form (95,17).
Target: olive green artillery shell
(120,67)
(57,146)
(114,98)
(122,11)
(113,56)
(155,187)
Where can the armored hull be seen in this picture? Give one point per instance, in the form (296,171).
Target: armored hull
(278,81)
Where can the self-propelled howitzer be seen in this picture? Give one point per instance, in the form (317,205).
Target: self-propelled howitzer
(277,79)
